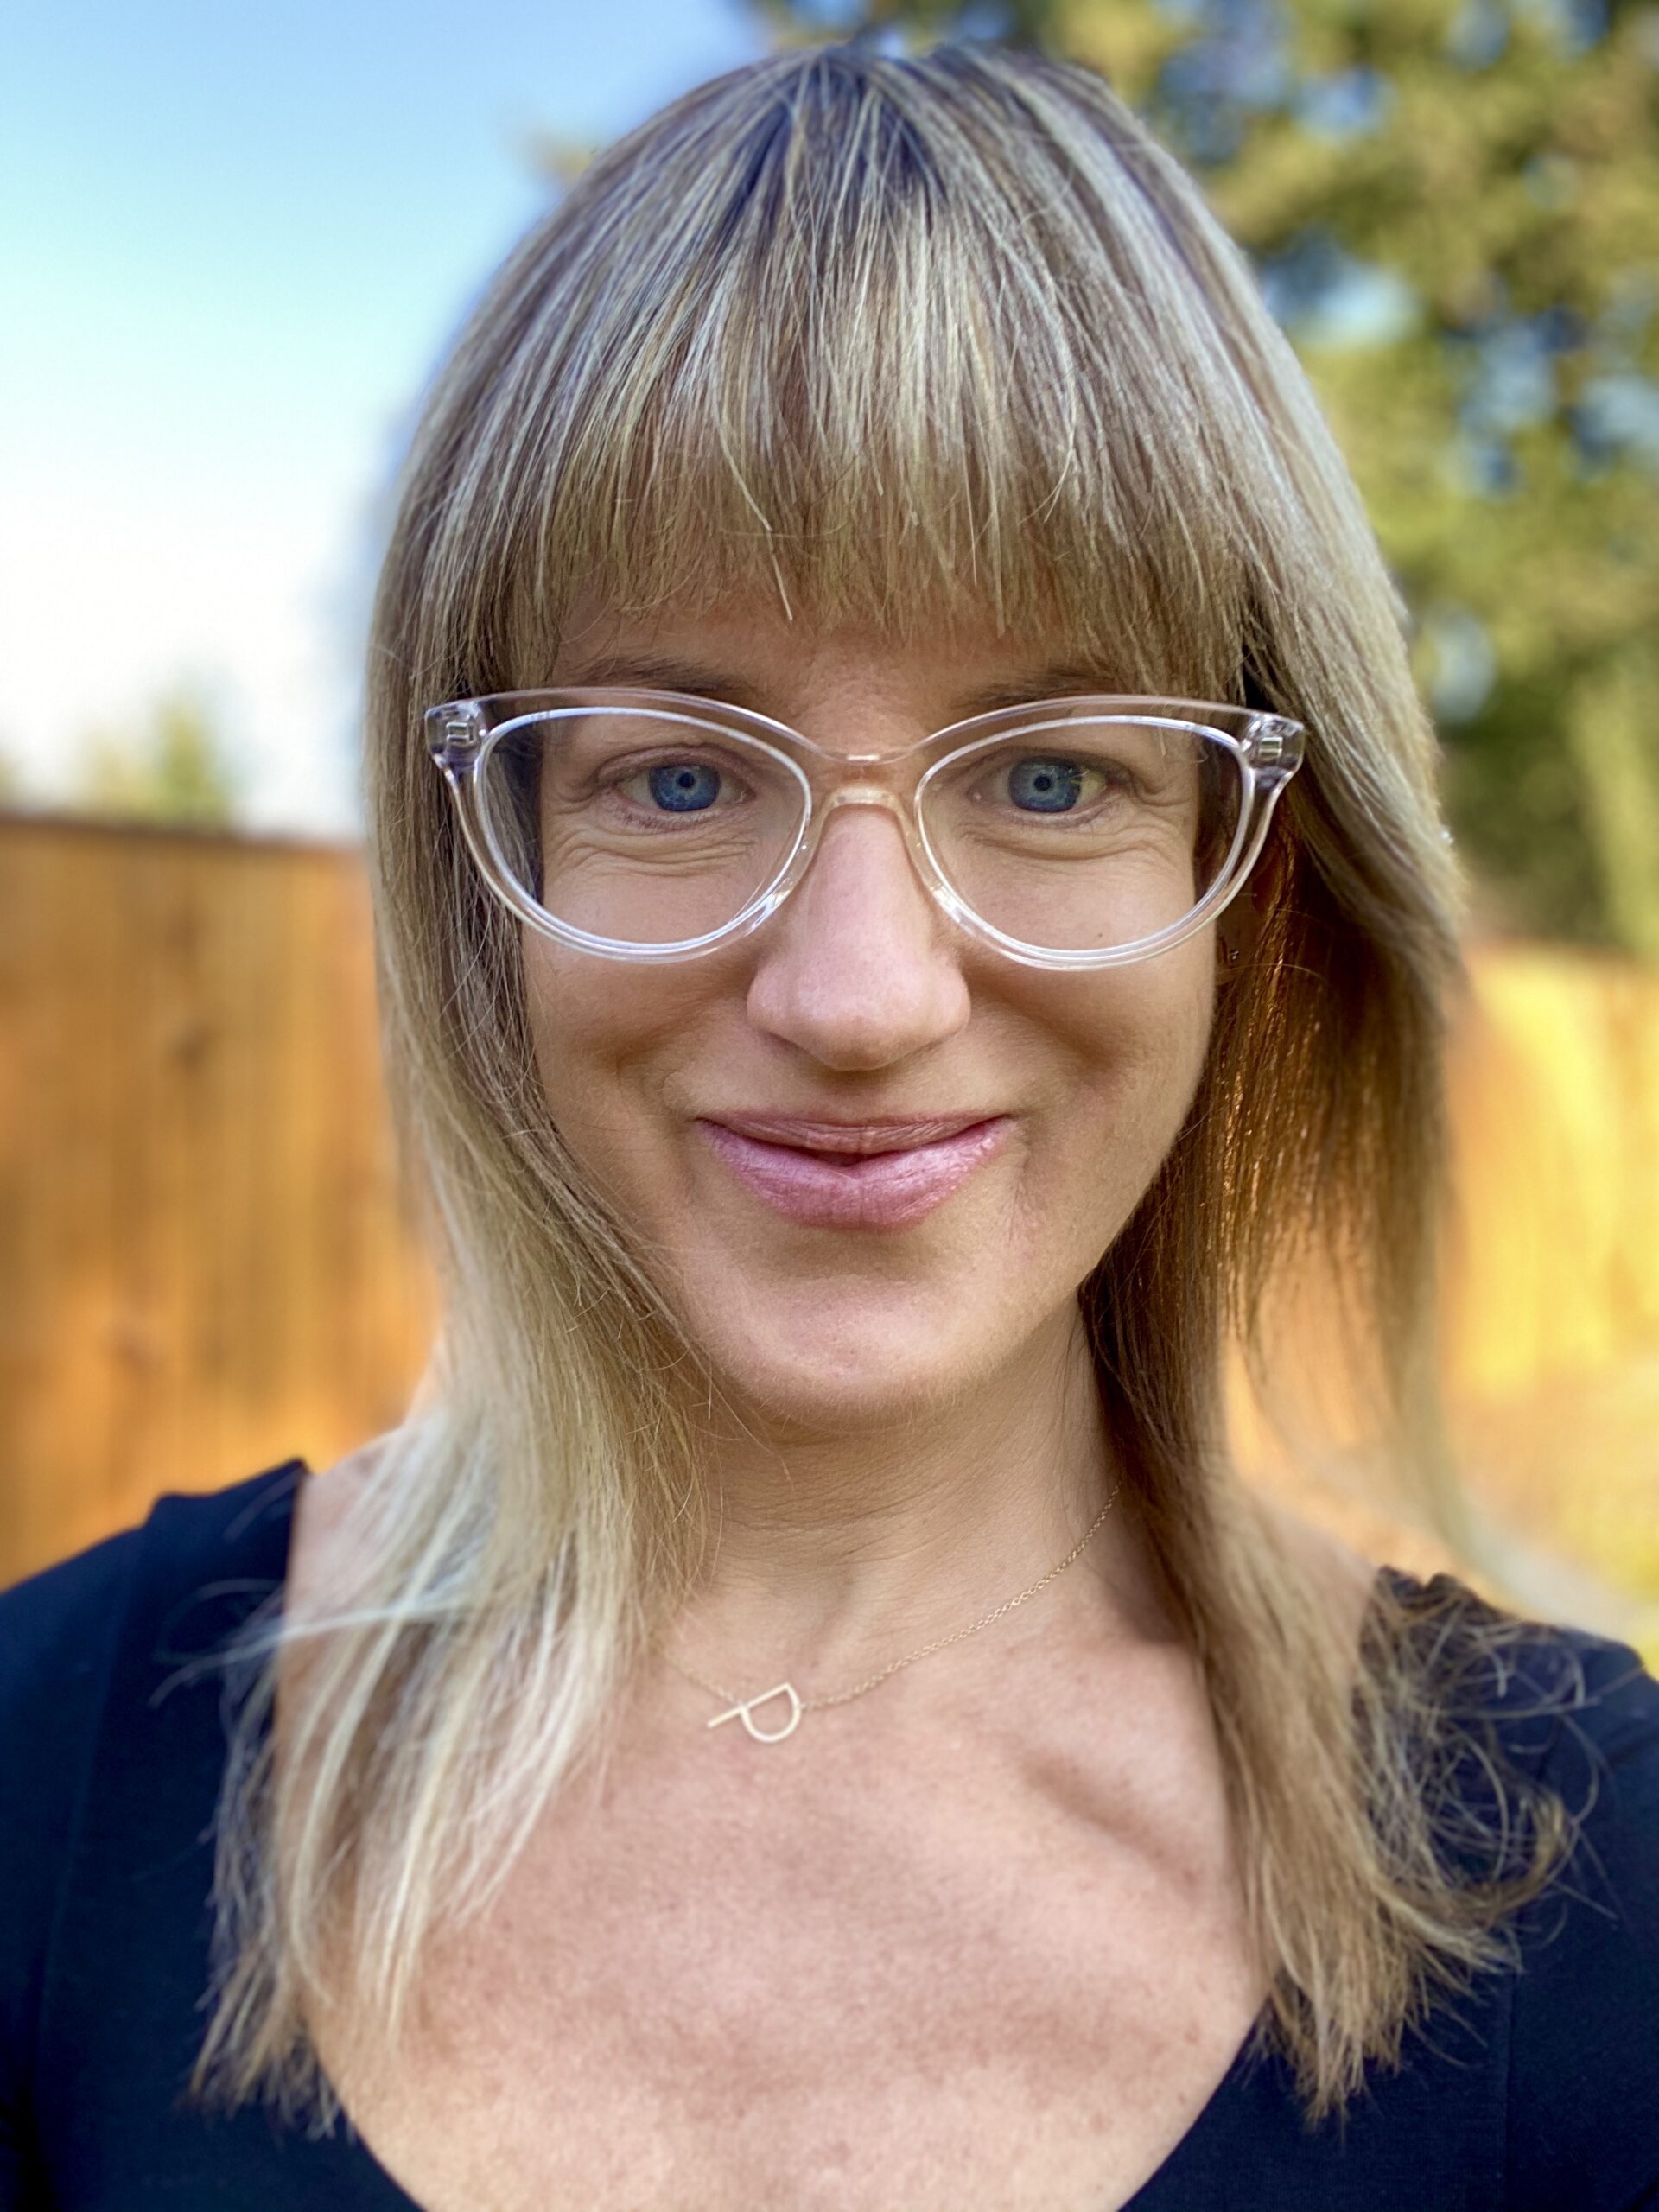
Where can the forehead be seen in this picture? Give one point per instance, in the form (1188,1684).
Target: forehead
(752,655)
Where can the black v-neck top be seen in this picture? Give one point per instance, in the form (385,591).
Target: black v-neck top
(1541,2095)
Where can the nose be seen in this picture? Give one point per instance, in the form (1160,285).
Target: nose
(858,967)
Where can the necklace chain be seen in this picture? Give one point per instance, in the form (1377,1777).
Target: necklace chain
(744,1708)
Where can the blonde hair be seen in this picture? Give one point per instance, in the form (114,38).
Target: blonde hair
(883,337)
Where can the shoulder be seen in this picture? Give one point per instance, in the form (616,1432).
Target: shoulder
(68,1636)
(64,1633)
(53,1623)
(60,1629)
(57,1625)
(57,1631)
(1583,2123)
(1562,1710)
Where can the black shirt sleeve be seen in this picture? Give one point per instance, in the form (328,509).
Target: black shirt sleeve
(1583,2105)
(58,1631)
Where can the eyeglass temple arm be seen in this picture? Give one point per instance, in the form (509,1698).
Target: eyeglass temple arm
(1274,750)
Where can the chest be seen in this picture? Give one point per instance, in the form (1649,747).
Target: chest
(842,1989)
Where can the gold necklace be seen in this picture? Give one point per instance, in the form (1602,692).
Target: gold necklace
(745,1708)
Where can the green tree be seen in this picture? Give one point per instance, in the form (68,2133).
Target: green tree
(174,768)
(1453,206)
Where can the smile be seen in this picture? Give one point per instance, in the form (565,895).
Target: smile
(888,1187)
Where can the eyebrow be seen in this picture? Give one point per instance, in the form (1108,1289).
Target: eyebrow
(657,671)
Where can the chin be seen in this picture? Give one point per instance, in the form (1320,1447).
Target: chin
(857,1362)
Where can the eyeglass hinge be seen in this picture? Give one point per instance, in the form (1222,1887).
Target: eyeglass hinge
(1271,732)
(454,731)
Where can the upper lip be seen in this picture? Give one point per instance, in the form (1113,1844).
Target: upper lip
(885,1133)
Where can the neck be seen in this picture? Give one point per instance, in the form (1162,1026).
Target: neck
(833,1553)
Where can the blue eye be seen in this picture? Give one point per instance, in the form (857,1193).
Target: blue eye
(1045,787)
(684,786)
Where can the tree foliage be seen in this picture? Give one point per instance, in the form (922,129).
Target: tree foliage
(1454,207)
(173,769)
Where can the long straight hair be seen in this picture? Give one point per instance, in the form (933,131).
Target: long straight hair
(881,340)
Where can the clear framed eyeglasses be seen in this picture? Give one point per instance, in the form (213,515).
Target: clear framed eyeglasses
(1080,832)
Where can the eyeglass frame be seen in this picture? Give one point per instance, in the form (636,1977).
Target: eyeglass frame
(461,734)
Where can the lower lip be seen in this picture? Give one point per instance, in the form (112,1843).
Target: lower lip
(882,1190)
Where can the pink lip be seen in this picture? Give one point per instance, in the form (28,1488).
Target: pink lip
(892,1184)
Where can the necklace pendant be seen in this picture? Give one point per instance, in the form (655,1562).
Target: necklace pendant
(746,1709)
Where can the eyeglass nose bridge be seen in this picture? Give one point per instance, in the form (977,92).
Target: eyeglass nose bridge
(903,809)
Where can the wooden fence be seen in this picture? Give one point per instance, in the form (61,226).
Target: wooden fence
(208,1266)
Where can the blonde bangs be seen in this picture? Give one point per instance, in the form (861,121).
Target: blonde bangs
(823,350)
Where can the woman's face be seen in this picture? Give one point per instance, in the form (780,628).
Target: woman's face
(859,1003)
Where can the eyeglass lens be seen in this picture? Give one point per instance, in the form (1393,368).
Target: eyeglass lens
(1079,832)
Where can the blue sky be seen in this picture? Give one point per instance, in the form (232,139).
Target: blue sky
(233,241)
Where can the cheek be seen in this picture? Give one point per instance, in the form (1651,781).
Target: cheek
(607,1037)
(1138,1036)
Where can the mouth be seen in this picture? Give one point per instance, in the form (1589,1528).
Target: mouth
(880,1174)
(885,1133)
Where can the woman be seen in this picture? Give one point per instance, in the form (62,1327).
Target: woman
(908,882)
